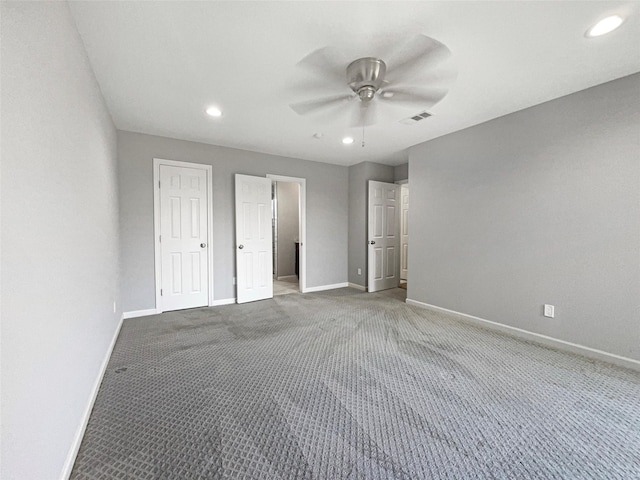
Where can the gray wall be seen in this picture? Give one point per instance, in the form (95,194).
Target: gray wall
(288,227)
(359,175)
(401,172)
(59,237)
(327,200)
(540,206)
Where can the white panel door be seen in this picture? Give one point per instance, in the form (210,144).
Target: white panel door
(183,237)
(404,231)
(254,260)
(384,238)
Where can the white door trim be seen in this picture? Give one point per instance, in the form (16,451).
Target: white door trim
(404,238)
(303,225)
(156,223)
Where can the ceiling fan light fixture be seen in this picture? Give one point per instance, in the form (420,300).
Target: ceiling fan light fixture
(366,93)
(365,76)
(214,111)
(604,26)
(347,140)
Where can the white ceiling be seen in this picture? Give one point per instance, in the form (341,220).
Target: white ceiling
(160,64)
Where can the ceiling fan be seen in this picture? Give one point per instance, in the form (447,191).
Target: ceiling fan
(410,79)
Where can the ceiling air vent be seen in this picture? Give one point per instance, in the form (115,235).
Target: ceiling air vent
(415,118)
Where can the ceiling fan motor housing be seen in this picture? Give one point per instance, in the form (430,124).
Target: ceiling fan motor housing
(365,76)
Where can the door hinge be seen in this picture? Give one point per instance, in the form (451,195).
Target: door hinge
(160,238)
(158,183)
(160,292)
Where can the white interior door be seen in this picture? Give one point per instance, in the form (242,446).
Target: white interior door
(404,231)
(183,237)
(254,260)
(384,238)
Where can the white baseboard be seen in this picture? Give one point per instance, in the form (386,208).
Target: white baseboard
(153,311)
(224,301)
(75,446)
(285,277)
(326,287)
(140,313)
(357,287)
(537,337)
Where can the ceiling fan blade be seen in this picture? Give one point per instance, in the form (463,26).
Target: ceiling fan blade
(302,108)
(326,62)
(438,77)
(419,97)
(421,53)
(316,87)
(365,115)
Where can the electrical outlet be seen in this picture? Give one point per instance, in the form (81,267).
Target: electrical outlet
(549,311)
(114,306)
(359,271)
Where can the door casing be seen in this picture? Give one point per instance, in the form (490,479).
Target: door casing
(404,231)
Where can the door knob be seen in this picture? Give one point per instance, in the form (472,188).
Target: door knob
(240,247)
(372,242)
(203,245)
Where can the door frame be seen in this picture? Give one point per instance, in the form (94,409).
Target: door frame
(403,222)
(157,162)
(303,224)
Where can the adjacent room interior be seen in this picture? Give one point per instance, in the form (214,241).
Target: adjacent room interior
(285,198)
(210,269)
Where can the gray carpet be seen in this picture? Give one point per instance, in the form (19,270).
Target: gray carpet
(348,385)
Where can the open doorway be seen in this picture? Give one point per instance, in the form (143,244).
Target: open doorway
(286,231)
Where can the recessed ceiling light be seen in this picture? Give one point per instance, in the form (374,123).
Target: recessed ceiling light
(605,25)
(347,140)
(214,112)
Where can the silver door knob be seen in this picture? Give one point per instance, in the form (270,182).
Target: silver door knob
(203,245)
(372,242)
(240,247)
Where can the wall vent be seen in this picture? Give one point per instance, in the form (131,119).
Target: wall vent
(416,118)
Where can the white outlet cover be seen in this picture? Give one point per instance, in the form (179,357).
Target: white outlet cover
(359,271)
(549,311)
